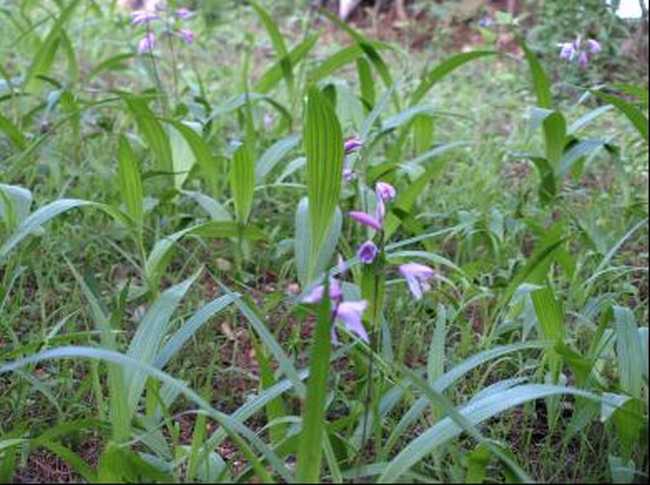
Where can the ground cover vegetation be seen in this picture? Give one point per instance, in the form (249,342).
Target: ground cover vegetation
(250,242)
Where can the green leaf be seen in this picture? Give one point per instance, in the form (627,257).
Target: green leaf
(278,43)
(475,413)
(369,49)
(207,162)
(477,462)
(130,182)
(183,158)
(242,183)
(436,359)
(275,73)
(149,335)
(550,314)
(538,264)
(541,82)
(366,83)
(628,349)
(313,422)
(45,214)
(274,155)
(232,426)
(189,328)
(15,204)
(12,132)
(113,63)
(587,119)
(262,329)
(450,377)
(160,254)
(336,61)
(71,459)
(406,199)
(44,58)
(555,138)
(302,242)
(547,184)
(443,69)
(275,409)
(153,133)
(323,143)
(423,126)
(634,114)
(576,152)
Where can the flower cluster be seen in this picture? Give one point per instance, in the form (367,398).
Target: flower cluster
(351,145)
(580,51)
(417,275)
(350,313)
(147,17)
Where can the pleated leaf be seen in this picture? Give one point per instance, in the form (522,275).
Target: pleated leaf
(242,182)
(323,143)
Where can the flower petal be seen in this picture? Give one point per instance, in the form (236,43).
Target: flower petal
(367,252)
(350,313)
(365,219)
(352,145)
(414,287)
(315,295)
(385,191)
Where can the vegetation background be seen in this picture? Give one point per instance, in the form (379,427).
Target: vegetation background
(176,179)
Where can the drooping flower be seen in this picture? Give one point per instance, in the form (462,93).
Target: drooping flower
(367,252)
(594,46)
(386,192)
(350,314)
(567,51)
(486,22)
(184,13)
(147,43)
(580,51)
(366,220)
(187,35)
(349,175)
(417,277)
(140,17)
(583,60)
(352,145)
(316,294)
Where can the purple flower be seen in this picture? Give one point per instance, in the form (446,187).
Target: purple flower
(366,220)
(187,35)
(184,13)
(568,51)
(147,43)
(352,145)
(367,252)
(350,313)
(140,17)
(380,210)
(316,295)
(417,277)
(386,192)
(594,46)
(486,22)
(583,60)
(349,175)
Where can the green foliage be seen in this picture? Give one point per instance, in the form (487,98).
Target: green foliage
(161,333)
(323,143)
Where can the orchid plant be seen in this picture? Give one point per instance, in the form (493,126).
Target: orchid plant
(580,51)
(417,276)
(163,23)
